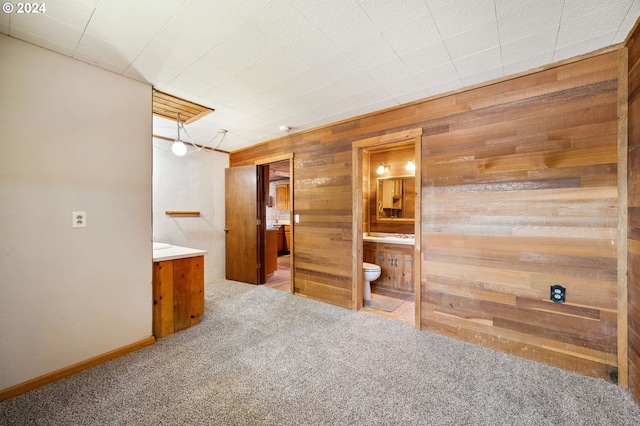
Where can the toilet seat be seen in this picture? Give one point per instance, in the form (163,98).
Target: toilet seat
(370,267)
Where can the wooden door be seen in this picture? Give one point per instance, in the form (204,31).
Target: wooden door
(242,224)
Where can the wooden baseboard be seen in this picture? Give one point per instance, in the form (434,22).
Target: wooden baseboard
(72,369)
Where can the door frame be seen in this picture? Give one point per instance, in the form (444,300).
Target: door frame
(274,159)
(359,154)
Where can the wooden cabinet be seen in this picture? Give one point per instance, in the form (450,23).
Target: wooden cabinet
(396,262)
(284,239)
(280,239)
(282,196)
(178,294)
(287,237)
(271,252)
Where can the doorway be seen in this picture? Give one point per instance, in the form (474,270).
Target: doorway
(278,208)
(251,236)
(361,152)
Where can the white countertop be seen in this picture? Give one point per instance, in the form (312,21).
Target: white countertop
(388,239)
(164,251)
(277,225)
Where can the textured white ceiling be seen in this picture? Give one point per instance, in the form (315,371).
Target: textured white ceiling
(262,64)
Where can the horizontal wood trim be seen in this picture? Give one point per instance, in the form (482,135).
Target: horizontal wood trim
(73,369)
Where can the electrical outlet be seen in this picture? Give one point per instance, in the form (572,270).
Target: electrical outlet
(558,293)
(79,219)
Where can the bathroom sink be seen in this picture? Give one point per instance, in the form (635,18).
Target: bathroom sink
(161,246)
(390,239)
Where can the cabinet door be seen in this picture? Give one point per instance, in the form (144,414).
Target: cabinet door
(396,262)
(178,294)
(188,292)
(369,252)
(282,196)
(280,239)
(271,252)
(407,272)
(287,237)
(162,298)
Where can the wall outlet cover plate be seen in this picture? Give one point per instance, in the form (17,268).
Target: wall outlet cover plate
(558,293)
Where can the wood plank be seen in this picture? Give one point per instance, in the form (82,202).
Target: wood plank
(188,292)
(623,148)
(163,315)
(630,120)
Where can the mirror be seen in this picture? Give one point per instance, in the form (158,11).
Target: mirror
(395,198)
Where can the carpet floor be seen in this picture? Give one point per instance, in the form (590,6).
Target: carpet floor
(265,357)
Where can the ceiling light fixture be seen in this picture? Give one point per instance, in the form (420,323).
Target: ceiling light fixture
(285,129)
(178,147)
(382,169)
(222,132)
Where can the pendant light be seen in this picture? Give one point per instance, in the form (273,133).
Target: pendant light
(178,147)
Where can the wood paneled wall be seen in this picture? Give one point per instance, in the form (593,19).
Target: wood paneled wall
(518,193)
(321,195)
(633,184)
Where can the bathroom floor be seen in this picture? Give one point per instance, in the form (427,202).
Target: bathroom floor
(405,312)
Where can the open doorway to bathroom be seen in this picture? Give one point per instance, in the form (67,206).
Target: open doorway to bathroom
(386,224)
(278,206)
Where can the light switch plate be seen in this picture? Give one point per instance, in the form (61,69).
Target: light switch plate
(79,219)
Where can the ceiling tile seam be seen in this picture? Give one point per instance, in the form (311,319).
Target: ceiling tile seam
(84,31)
(222,40)
(398,56)
(495,13)
(445,45)
(555,43)
(151,39)
(626,15)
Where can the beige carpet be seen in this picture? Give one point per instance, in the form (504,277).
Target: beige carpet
(263,357)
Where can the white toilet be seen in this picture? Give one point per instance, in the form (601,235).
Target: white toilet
(371,273)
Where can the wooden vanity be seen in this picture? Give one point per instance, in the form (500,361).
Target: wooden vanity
(178,289)
(396,262)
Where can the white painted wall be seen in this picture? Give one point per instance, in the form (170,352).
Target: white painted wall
(192,182)
(72,137)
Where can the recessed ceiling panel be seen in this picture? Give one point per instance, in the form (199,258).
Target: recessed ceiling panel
(170,106)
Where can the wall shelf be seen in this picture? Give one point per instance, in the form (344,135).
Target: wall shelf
(182,213)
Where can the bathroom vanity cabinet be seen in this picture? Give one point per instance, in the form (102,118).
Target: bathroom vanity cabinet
(396,262)
(178,294)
